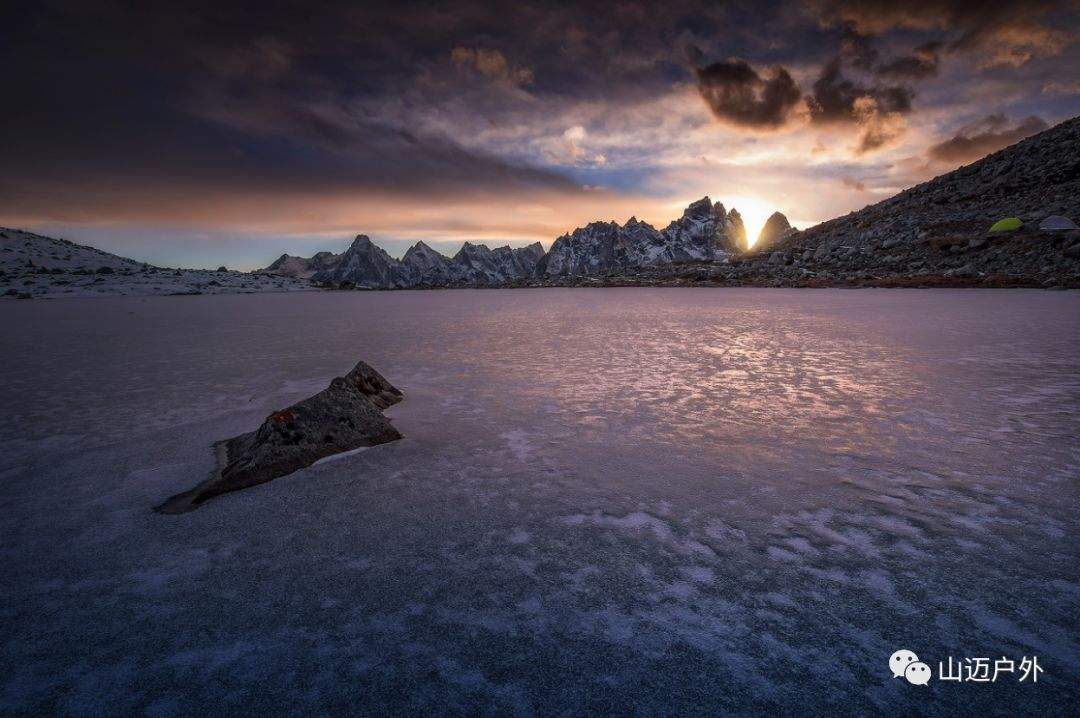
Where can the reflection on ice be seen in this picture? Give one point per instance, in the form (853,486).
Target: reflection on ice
(656,501)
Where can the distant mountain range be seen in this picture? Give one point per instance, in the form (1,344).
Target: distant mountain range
(706,232)
(933,234)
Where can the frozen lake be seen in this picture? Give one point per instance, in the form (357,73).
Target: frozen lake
(606,501)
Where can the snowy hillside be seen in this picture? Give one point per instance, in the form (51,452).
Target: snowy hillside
(34,266)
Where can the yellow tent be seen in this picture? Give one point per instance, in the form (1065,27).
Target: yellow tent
(1009,224)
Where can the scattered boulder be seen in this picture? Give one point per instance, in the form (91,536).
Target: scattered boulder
(1057,223)
(345,416)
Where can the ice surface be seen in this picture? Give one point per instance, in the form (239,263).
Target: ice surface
(614,501)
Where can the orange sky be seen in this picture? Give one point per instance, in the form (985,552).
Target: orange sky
(192,137)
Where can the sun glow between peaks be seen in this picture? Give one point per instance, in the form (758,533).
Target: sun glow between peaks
(754,213)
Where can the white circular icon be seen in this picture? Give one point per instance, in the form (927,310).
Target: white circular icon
(900,660)
(917,673)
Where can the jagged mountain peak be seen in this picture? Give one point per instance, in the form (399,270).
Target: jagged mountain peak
(468,249)
(701,208)
(704,232)
(776,228)
(420,248)
(776,222)
(288,265)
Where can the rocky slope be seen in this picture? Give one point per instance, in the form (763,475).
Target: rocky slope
(35,266)
(937,232)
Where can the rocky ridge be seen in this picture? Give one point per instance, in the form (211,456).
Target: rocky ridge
(365,265)
(706,232)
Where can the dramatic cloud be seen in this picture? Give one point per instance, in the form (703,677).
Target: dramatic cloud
(980,138)
(877,111)
(878,129)
(858,51)
(482,119)
(857,48)
(737,94)
(1058,87)
(838,99)
(919,65)
(852,183)
(1001,32)
(491,64)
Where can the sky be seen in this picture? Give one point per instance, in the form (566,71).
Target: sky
(201,134)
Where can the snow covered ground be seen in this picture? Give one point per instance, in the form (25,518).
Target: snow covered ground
(33,266)
(606,501)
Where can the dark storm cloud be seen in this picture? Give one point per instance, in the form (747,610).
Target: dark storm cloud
(919,65)
(859,51)
(872,101)
(838,99)
(111,100)
(980,138)
(875,112)
(285,97)
(1003,32)
(857,48)
(200,101)
(737,93)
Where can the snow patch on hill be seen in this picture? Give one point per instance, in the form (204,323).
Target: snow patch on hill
(35,266)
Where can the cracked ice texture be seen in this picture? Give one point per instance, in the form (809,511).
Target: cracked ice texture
(680,501)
